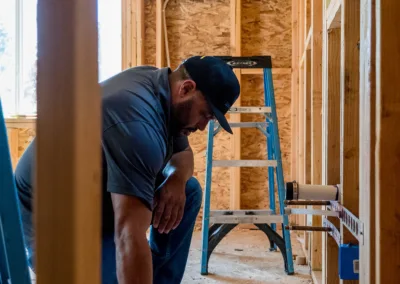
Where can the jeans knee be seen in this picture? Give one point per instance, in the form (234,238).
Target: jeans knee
(194,193)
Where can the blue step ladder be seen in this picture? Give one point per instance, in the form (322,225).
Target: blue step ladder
(223,221)
(13,260)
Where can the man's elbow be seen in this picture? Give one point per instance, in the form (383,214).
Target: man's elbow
(130,229)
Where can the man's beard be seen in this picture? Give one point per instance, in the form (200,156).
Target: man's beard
(180,117)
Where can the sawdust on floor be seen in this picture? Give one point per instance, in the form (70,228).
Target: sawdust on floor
(243,257)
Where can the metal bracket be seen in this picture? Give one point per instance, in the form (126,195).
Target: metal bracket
(333,232)
(289,211)
(348,219)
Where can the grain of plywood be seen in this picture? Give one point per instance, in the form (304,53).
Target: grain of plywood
(254,182)
(267,30)
(198,28)
(189,34)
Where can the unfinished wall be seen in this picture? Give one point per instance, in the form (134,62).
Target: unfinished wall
(266,30)
(204,28)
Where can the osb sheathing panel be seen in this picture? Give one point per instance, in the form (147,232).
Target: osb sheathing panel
(254,181)
(266,30)
(203,27)
(194,28)
(198,28)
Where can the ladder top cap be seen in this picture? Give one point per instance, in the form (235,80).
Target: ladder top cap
(264,62)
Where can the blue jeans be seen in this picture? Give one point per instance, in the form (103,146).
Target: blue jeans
(169,251)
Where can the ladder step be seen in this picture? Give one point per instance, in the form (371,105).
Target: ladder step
(244,163)
(249,110)
(263,124)
(214,213)
(248,219)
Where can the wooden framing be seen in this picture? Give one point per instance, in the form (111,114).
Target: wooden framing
(160,46)
(306,113)
(316,124)
(140,19)
(331,142)
(129,34)
(68,174)
(360,113)
(236,39)
(133,30)
(349,113)
(387,159)
(333,14)
(367,140)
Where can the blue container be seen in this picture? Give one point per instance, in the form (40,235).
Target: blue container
(349,262)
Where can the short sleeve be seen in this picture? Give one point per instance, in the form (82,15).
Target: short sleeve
(134,153)
(180,143)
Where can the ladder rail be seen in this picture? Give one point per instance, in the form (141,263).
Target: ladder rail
(207,197)
(279,169)
(270,155)
(224,221)
(12,239)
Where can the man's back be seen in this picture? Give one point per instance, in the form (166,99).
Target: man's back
(135,119)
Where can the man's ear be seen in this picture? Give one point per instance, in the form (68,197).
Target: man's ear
(187,87)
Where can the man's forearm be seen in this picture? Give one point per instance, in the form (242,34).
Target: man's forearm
(133,256)
(134,264)
(181,165)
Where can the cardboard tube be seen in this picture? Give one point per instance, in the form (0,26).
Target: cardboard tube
(295,191)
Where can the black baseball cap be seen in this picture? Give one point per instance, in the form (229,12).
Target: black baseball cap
(218,83)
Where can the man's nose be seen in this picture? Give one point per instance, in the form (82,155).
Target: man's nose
(203,124)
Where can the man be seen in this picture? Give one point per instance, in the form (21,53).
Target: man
(147,114)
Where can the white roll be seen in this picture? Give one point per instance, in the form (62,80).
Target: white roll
(318,192)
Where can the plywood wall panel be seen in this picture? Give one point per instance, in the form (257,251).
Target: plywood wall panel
(267,30)
(255,180)
(198,28)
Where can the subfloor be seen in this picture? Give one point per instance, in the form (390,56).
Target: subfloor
(243,257)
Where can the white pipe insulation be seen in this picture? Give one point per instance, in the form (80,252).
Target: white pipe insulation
(295,191)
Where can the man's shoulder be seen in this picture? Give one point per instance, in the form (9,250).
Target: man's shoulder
(136,94)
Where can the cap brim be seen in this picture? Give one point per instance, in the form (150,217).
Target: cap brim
(221,118)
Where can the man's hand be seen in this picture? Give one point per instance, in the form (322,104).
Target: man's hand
(170,203)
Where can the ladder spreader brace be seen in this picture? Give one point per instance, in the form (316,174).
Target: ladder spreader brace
(223,221)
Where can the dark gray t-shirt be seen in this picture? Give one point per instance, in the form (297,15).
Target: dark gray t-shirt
(136,141)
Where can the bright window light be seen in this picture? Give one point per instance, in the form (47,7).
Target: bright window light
(18,50)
